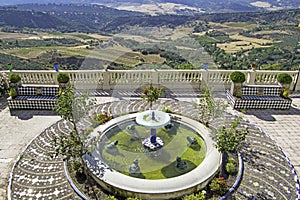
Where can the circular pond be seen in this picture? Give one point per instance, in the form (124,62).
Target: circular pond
(157,164)
(187,145)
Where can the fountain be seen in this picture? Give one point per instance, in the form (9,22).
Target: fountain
(153,119)
(130,178)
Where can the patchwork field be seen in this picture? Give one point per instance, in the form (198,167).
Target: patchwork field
(240,42)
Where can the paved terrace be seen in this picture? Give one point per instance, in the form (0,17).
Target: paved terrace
(265,167)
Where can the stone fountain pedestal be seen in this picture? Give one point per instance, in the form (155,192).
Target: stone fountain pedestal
(153,119)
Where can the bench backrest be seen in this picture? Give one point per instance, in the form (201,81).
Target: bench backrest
(261,90)
(43,90)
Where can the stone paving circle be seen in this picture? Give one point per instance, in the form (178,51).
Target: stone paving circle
(268,173)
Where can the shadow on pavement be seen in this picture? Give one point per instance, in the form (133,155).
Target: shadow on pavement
(267,114)
(3,103)
(28,114)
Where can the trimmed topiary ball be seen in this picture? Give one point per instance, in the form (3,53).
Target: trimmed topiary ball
(14,78)
(284,78)
(63,78)
(237,77)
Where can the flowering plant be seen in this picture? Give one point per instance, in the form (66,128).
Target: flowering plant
(152,93)
(218,186)
(3,83)
(104,117)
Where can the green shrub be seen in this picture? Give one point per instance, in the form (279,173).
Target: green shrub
(284,78)
(286,93)
(230,168)
(63,78)
(13,92)
(218,186)
(76,165)
(132,198)
(104,117)
(198,196)
(167,110)
(89,130)
(237,77)
(111,197)
(231,160)
(14,78)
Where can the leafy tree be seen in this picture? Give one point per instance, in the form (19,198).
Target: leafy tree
(72,108)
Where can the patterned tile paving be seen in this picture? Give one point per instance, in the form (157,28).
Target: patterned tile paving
(267,172)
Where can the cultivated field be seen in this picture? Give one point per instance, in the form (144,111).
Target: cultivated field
(233,29)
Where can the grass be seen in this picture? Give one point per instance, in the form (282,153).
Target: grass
(244,25)
(162,166)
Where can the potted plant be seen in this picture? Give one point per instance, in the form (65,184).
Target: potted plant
(14,79)
(237,78)
(284,80)
(63,80)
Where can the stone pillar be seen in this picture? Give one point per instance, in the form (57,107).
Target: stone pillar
(204,80)
(106,80)
(250,79)
(155,77)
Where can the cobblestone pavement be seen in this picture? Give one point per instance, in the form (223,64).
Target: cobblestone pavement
(267,172)
(283,126)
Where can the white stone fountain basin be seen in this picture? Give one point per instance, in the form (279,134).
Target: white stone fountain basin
(190,182)
(145,119)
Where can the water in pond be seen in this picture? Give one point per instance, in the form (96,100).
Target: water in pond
(158,164)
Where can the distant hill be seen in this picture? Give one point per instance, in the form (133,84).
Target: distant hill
(89,18)
(32,19)
(165,7)
(63,17)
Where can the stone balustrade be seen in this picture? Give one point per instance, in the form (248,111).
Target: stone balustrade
(134,79)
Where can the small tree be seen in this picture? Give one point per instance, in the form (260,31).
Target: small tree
(152,93)
(72,108)
(213,108)
(230,139)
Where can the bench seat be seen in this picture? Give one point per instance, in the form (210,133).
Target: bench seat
(260,97)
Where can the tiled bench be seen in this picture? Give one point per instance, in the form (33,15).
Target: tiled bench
(259,97)
(32,96)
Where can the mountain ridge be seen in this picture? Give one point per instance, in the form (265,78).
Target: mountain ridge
(176,6)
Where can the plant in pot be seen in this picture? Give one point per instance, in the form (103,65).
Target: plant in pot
(284,80)
(63,80)
(14,80)
(237,78)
